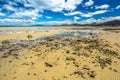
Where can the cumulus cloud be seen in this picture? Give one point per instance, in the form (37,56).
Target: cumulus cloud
(72,4)
(2,14)
(76,18)
(12,3)
(10,21)
(89,3)
(105,6)
(31,14)
(90,14)
(22,1)
(67,21)
(8,7)
(14,20)
(30,11)
(55,5)
(118,7)
(48,17)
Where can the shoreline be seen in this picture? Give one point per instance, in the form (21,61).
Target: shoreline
(34,34)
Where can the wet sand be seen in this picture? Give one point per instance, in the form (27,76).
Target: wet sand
(24,36)
(93,55)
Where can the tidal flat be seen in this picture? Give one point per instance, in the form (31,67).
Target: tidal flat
(63,53)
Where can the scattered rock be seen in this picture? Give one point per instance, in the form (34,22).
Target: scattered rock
(48,64)
(104,62)
(29,36)
(92,74)
(79,73)
(45,71)
(5,42)
(86,67)
(76,64)
(70,59)
(67,51)
(28,73)
(34,74)
(115,70)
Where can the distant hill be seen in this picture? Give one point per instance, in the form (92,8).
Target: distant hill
(107,23)
(38,25)
(110,23)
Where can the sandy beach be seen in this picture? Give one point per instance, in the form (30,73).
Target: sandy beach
(65,54)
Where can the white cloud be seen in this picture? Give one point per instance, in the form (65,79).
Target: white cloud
(16,22)
(73,13)
(9,7)
(72,4)
(90,14)
(2,14)
(32,14)
(48,17)
(118,7)
(22,1)
(12,3)
(89,3)
(76,18)
(98,12)
(55,5)
(56,22)
(105,6)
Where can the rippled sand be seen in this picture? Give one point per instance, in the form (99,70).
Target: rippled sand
(94,55)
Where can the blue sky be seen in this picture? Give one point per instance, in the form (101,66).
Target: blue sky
(30,12)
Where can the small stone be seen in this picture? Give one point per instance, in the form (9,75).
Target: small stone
(92,74)
(115,70)
(86,67)
(45,70)
(48,65)
(28,73)
(34,74)
(67,51)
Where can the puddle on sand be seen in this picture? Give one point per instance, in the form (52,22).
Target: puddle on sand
(70,34)
(77,33)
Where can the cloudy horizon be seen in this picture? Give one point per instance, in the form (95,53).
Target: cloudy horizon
(30,12)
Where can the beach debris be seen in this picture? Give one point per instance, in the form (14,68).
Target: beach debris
(76,64)
(79,73)
(110,52)
(104,62)
(70,59)
(48,64)
(29,36)
(5,42)
(50,38)
(67,51)
(92,74)
(77,48)
(86,67)
(115,70)
(45,70)
(28,73)
(34,74)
